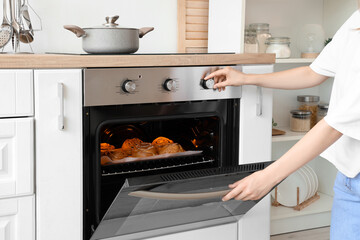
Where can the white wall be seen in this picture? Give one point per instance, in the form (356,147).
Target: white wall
(161,14)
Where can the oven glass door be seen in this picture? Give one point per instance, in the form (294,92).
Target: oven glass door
(163,204)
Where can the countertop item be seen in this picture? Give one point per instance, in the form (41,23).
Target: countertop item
(109,38)
(31,61)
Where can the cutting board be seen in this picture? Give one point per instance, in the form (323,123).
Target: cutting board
(277,132)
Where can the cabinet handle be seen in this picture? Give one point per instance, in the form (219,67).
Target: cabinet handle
(259,101)
(61,112)
(179,196)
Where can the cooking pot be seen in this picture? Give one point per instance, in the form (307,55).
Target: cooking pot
(109,38)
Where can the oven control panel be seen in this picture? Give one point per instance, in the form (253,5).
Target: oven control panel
(115,86)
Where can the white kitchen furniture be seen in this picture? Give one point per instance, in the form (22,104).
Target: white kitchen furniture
(17,200)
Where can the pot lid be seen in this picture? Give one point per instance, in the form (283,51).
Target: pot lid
(111,23)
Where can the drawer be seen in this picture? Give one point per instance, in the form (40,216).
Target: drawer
(16,93)
(16,157)
(17,218)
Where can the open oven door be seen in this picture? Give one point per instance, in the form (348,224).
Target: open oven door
(162,204)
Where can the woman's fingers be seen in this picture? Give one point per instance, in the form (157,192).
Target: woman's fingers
(218,73)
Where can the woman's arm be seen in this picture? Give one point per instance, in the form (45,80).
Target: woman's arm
(260,183)
(296,78)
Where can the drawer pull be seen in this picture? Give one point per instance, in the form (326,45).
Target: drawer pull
(61,125)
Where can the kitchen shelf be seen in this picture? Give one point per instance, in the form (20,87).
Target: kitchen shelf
(294,60)
(288,136)
(285,219)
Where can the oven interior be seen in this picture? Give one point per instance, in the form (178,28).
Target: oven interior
(208,132)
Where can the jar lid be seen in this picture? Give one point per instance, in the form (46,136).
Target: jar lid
(308,98)
(324,106)
(259,26)
(278,40)
(300,113)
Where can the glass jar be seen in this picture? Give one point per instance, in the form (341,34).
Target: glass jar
(300,121)
(279,45)
(322,111)
(309,103)
(251,44)
(262,33)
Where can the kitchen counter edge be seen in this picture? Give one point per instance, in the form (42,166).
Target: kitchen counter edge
(50,61)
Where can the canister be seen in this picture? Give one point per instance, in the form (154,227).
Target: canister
(300,121)
(309,103)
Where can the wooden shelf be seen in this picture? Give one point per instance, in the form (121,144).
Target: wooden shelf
(289,135)
(285,219)
(294,60)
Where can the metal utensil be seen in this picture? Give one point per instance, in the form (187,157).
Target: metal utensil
(15,25)
(26,36)
(6,29)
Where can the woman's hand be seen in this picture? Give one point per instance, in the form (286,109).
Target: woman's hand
(252,187)
(226,77)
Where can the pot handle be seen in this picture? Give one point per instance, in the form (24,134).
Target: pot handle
(79,32)
(144,30)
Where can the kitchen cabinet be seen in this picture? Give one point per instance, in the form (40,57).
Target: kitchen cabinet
(17,221)
(59,166)
(286,18)
(16,93)
(16,157)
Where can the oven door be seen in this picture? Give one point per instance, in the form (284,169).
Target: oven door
(163,204)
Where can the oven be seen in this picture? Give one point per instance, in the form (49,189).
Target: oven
(160,148)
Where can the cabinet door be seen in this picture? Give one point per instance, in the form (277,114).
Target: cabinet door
(227,231)
(16,156)
(16,93)
(17,218)
(58,123)
(255,146)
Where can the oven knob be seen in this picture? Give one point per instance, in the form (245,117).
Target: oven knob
(170,84)
(129,86)
(207,84)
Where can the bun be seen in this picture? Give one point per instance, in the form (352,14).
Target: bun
(118,154)
(160,141)
(130,144)
(170,148)
(144,150)
(105,148)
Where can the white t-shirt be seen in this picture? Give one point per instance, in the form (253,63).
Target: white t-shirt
(341,58)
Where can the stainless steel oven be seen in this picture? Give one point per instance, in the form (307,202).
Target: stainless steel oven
(160,148)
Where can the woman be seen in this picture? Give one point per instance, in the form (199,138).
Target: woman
(337,136)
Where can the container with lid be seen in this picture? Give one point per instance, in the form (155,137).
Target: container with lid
(262,33)
(300,121)
(251,44)
(279,45)
(309,103)
(323,109)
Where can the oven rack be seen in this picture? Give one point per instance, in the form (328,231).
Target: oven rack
(155,165)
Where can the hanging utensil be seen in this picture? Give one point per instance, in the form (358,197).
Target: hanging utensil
(15,25)
(26,36)
(6,29)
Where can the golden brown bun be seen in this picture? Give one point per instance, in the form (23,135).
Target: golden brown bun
(144,150)
(160,141)
(130,144)
(118,154)
(105,148)
(170,148)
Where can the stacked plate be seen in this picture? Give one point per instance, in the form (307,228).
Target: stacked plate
(305,178)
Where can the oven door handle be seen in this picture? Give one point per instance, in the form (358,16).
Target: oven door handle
(179,196)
